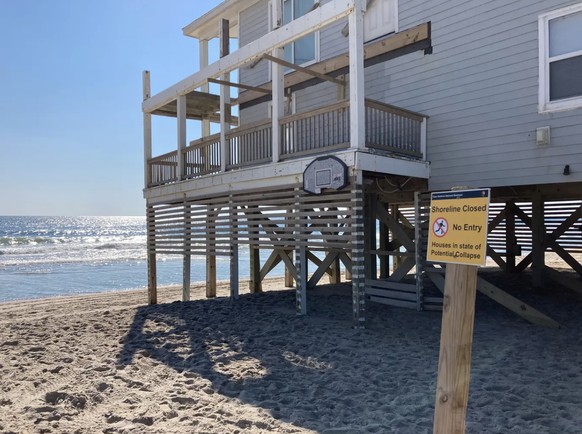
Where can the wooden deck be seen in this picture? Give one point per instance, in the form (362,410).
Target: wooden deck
(390,130)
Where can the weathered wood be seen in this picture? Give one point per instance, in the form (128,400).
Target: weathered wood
(255,285)
(537,240)
(384,259)
(497,258)
(510,238)
(239,85)
(322,269)
(456,344)
(403,269)
(515,305)
(506,300)
(186,275)
(301,279)
(394,302)
(234,272)
(357,247)
(388,284)
(335,276)
(395,228)
(356,77)
(337,65)
(152,279)
(307,71)
(210,258)
(564,280)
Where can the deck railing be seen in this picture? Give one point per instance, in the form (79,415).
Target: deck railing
(250,145)
(307,133)
(202,157)
(388,128)
(164,169)
(392,129)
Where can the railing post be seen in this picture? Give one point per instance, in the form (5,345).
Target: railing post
(357,89)
(224,96)
(181,115)
(147,131)
(423,138)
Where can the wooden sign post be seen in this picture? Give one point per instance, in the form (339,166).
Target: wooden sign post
(454,371)
(458,237)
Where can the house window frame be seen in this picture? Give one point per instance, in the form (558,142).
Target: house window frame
(545,105)
(317,41)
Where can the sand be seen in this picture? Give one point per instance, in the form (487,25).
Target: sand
(108,363)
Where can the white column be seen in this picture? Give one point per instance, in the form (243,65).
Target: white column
(203,47)
(224,96)
(278,102)
(357,89)
(147,129)
(181,116)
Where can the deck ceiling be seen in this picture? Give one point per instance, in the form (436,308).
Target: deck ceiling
(199,106)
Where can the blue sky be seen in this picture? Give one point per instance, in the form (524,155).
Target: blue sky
(70,99)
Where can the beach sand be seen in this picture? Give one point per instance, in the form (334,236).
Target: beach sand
(109,363)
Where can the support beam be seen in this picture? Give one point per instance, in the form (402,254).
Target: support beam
(224,96)
(238,85)
(255,284)
(370,246)
(278,103)
(357,88)
(147,130)
(508,301)
(322,269)
(210,253)
(418,253)
(152,276)
(510,238)
(181,121)
(374,52)
(358,268)
(186,275)
(384,260)
(203,48)
(301,289)
(282,62)
(234,275)
(335,276)
(538,237)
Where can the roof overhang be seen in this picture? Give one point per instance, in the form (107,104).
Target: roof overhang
(206,27)
(199,106)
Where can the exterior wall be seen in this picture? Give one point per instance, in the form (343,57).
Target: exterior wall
(254,23)
(479,87)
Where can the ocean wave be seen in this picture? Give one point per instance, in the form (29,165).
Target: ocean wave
(23,241)
(109,246)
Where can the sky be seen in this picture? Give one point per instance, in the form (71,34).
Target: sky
(71,126)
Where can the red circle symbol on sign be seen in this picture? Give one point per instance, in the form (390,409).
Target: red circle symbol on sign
(440,227)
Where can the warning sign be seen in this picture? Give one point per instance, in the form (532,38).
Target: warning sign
(458,226)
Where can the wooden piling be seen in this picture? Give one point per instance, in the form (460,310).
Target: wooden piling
(537,240)
(456,344)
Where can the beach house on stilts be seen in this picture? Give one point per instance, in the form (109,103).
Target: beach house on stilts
(334,119)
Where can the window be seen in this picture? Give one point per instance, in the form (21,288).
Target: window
(302,51)
(560,43)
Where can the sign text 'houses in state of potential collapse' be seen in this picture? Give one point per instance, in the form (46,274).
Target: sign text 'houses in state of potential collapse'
(458,226)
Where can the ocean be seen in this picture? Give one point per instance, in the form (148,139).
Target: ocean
(55,256)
